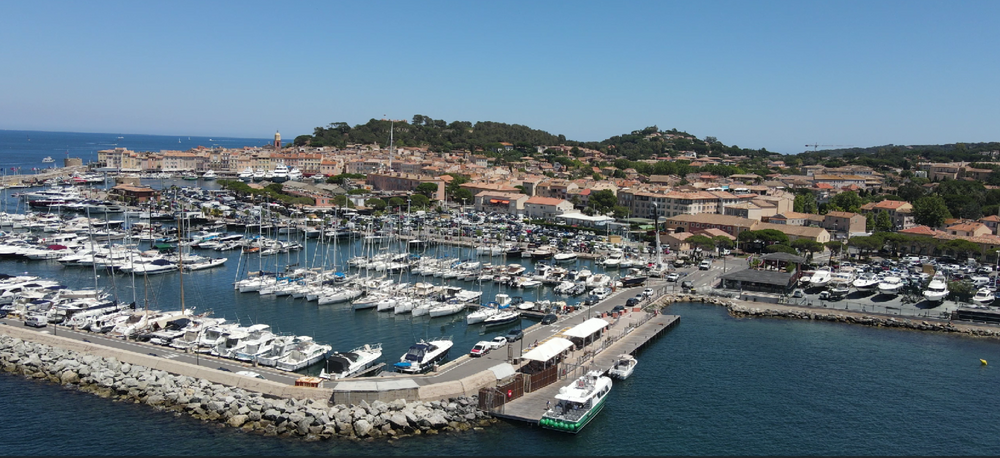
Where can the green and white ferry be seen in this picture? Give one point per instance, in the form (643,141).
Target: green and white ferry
(577,403)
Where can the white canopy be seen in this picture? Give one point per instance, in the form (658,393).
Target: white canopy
(587,328)
(548,350)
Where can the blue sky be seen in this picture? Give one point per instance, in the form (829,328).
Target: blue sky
(762,74)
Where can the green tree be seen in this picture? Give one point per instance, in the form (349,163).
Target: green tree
(809,246)
(427,189)
(870,222)
(722,242)
(463,195)
(961,248)
(419,201)
(396,202)
(835,246)
(805,203)
(376,203)
(603,201)
(930,211)
(847,201)
(780,248)
(700,241)
(883,222)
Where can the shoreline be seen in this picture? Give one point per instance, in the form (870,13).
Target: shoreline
(743,309)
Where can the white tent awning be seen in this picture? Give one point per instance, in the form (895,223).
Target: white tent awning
(548,350)
(587,328)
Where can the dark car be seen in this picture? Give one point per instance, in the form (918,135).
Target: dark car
(515,334)
(688,284)
(550,318)
(591,300)
(618,308)
(630,302)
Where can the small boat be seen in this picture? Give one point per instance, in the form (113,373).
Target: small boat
(890,285)
(347,364)
(564,257)
(501,318)
(984,296)
(821,277)
(423,355)
(48,159)
(937,289)
(577,403)
(866,282)
(623,367)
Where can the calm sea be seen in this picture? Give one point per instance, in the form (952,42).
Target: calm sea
(713,385)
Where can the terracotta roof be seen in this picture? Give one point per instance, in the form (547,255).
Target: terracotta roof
(842,214)
(921,230)
(967,227)
(891,204)
(991,218)
(538,200)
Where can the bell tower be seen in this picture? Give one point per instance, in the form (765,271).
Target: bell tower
(277,140)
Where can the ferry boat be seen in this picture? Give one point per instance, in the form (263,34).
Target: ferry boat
(423,355)
(577,403)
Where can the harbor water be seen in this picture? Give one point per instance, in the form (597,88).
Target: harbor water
(713,385)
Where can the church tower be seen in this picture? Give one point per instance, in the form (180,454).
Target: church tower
(277,140)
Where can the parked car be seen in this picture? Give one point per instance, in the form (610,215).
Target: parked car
(498,342)
(480,348)
(550,318)
(515,334)
(618,308)
(630,302)
(648,292)
(705,265)
(687,284)
(591,300)
(673,276)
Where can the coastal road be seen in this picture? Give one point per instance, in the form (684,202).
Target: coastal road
(161,351)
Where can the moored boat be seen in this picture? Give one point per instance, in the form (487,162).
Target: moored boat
(423,355)
(623,367)
(577,403)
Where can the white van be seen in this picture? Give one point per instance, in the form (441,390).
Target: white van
(979,282)
(36,321)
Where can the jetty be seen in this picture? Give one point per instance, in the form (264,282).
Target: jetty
(530,406)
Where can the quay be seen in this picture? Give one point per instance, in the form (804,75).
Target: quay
(530,407)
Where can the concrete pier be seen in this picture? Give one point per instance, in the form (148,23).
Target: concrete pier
(530,407)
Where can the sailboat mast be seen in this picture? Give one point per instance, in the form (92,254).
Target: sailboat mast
(180,257)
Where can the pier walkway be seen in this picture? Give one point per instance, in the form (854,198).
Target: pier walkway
(600,356)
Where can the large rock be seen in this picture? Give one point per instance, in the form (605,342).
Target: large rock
(362,428)
(69,377)
(237,421)
(398,420)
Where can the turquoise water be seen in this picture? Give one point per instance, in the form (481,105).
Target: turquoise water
(713,385)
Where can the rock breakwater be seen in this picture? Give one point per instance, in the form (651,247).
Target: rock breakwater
(741,309)
(309,419)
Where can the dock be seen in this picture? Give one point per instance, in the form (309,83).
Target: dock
(530,407)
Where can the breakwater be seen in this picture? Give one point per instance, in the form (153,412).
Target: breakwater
(236,407)
(743,309)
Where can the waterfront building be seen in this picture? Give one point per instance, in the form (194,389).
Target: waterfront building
(732,225)
(508,203)
(405,182)
(546,207)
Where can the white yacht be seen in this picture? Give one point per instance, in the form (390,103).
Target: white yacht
(280,173)
(305,354)
(347,364)
(937,289)
(565,256)
(623,367)
(890,285)
(209,175)
(984,296)
(294,174)
(246,175)
(821,277)
(866,282)
(423,355)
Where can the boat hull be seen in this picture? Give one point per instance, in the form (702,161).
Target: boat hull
(572,427)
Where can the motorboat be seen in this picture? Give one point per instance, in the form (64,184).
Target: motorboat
(984,296)
(305,354)
(866,282)
(246,175)
(347,364)
(937,289)
(623,367)
(501,318)
(423,355)
(564,257)
(209,175)
(821,277)
(577,403)
(294,174)
(891,285)
(279,174)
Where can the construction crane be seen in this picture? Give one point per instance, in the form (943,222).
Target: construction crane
(815,146)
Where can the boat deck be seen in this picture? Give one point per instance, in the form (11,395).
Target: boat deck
(530,407)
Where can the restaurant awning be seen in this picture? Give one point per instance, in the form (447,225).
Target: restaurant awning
(587,328)
(548,350)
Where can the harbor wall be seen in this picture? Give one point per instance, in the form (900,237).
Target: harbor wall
(744,309)
(235,407)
